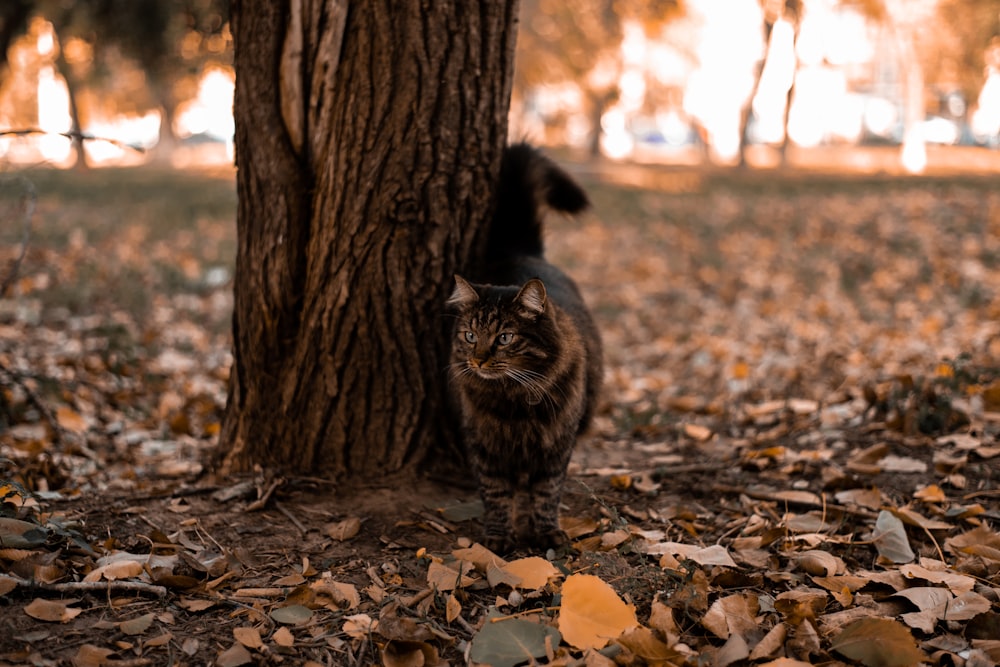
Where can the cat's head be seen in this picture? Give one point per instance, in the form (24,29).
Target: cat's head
(502,333)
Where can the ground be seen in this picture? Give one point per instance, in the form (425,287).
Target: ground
(796,457)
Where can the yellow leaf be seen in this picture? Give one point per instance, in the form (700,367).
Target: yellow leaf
(592,614)
(533,572)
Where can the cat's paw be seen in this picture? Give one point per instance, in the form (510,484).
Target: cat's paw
(499,544)
(552,539)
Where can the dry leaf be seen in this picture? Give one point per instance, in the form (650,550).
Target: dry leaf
(452,608)
(733,614)
(878,642)
(284,637)
(445,578)
(819,563)
(89,655)
(533,572)
(343,530)
(592,614)
(234,656)
(249,637)
(958,583)
(138,625)
(359,626)
(52,611)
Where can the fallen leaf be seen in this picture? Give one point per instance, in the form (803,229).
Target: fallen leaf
(7,584)
(819,563)
(592,614)
(452,608)
(644,644)
(957,583)
(509,642)
(870,498)
(284,637)
(295,614)
(878,642)
(18,534)
(890,538)
(533,572)
(401,653)
(445,578)
(234,656)
(343,530)
(52,611)
(249,637)
(359,626)
(137,625)
(732,614)
(89,655)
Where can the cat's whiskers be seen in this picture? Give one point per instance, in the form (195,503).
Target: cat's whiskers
(534,383)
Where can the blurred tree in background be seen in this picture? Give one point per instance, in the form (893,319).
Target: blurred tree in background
(579,41)
(572,66)
(128,55)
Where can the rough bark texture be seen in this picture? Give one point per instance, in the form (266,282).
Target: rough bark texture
(368,139)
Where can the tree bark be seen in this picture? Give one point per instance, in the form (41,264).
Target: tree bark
(368,139)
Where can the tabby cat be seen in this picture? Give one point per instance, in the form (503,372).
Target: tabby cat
(526,359)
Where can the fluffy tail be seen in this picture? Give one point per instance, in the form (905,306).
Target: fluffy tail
(529,182)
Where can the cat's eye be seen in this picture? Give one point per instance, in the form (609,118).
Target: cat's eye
(505,338)
(470,337)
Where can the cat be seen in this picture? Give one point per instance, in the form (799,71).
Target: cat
(526,359)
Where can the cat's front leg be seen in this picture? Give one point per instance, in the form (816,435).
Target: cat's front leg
(498,501)
(545,494)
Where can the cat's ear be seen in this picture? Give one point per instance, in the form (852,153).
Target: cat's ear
(464,294)
(532,297)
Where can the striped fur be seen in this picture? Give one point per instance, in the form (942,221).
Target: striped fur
(526,360)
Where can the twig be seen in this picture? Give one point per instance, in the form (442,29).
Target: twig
(93,586)
(72,135)
(29,199)
(262,501)
(291,517)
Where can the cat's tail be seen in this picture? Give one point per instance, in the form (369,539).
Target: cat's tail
(529,183)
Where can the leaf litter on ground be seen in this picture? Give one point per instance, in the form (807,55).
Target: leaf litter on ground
(795,461)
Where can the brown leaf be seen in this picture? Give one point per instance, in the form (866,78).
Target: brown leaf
(249,637)
(878,642)
(234,656)
(284,637)
(52,611)
(401,653)
(89,655)
(343,530)
(137,625)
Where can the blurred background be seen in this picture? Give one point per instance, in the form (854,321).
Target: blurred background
(874,84)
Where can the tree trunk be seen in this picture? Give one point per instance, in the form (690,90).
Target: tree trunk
(72,93)
(368,139)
